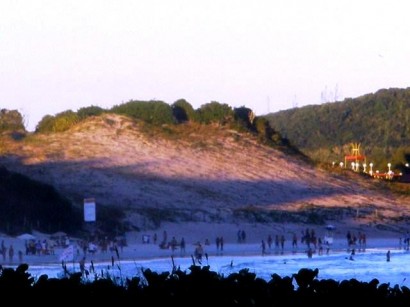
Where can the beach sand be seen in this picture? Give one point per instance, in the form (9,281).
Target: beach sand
(140,245)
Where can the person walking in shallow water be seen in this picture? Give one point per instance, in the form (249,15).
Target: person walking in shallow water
(388,256)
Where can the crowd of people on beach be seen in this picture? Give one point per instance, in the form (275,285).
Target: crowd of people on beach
(306,241)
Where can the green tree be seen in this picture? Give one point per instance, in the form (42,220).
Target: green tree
(245,117)
(215,112)
(183,111)
(58,123)
(89,111)
(262,126)
(65,120)
(45,124)
(153,112)
(11,120)
(379,121)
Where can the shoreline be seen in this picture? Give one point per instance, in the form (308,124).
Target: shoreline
(138,248)
(144,252)
(366,264)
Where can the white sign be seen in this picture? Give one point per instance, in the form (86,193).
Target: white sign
(89,210)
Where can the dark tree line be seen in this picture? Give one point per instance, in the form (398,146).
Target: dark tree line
(380,122)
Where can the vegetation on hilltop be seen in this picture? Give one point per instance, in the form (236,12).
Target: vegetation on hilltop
(380,122)
(11,121)
(158,113)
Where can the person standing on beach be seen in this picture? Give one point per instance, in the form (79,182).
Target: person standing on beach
(82,265)
(282,243)
(263,246)
(352,254)
(276,242)
(182,246)
(165,237)
(310,252)
(388,256)
(3,250)
(11,253)
(270,241)
(199,251)
(294,241)
(20,253)
(327,247)
(173,244)
(239,235)
(243,236)
(363,242)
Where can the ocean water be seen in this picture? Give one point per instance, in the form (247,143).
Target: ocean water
(364,266)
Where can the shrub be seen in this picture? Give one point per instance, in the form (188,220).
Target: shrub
(153,112)
(11,120)
(245,117)
(183,111)
(215,112)
(58,123)
(85,112)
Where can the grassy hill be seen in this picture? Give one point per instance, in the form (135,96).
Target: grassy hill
(380,122)
(142,175)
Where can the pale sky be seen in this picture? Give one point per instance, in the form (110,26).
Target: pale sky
(268,55)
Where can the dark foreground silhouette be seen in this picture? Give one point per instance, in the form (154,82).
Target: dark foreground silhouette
(198,287)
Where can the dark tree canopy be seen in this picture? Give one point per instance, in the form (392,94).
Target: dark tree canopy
(183,111)
(11,120)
